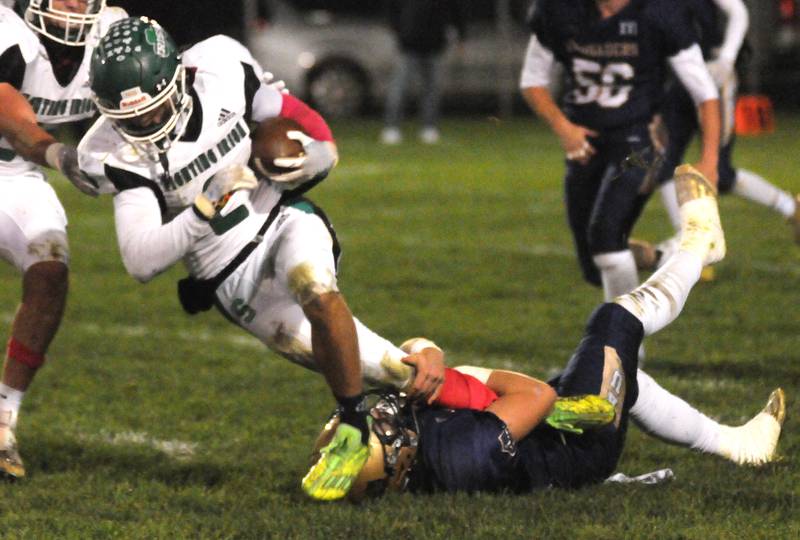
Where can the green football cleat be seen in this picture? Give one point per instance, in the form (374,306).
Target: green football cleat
(576,413)
(332,476)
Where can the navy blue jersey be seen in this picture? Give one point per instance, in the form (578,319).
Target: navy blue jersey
(467,450)
(616,66)
(707,23)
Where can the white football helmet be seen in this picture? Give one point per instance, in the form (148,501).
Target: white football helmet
(61,23)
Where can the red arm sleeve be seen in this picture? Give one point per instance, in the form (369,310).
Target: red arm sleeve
(461,391)
(312,123)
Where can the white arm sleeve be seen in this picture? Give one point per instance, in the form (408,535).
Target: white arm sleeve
(480,373)
(267,103)
(736,24)
(147,246)
(537,66)
(688,65)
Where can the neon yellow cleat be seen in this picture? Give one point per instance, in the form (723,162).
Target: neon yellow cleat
(339,463)
(576,413)
(708,274)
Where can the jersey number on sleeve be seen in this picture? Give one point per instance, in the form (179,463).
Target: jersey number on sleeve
(601,83)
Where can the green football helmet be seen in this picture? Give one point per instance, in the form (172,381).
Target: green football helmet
(58,22)
(138,82)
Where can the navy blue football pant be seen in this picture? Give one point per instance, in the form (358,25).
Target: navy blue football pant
(604,198)
(595,453)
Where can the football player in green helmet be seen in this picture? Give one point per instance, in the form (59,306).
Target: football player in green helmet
(44,70)
(173,146)
(144,94)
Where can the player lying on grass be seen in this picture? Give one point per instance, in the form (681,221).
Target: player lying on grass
(172,146)
(492,437)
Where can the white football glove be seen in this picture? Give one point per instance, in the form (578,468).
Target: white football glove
(318,158)
(721,70)
(64,159)
(279,85)
(221,186)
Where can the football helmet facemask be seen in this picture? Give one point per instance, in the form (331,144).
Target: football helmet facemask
(138,82)
(392,448)
(58,22)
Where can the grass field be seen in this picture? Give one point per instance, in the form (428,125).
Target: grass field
(147,423)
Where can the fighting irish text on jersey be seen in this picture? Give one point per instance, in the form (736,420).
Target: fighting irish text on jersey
(615,66)
(26,66)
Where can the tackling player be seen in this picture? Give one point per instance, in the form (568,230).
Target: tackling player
(615,55)
(172,146)
(44,69)
(494,439)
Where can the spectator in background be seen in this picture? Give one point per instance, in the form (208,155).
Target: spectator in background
(421,30)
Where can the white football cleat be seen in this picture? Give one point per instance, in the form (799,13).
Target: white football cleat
(11,466)
(755,442)
(701,231)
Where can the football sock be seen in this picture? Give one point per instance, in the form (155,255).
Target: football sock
(671,419)
(670,200)
(659,300)
(390,369)
(754,187)
(10,401)
(618,273)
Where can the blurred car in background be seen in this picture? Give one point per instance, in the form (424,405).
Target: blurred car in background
(339,55)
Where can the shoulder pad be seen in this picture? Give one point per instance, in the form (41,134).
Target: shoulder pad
(14,31)
(219,53)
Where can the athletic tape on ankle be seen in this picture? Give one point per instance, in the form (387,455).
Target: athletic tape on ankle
(22,354)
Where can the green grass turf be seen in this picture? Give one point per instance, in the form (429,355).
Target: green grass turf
(466,243)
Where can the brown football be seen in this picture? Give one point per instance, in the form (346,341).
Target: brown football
(270,142)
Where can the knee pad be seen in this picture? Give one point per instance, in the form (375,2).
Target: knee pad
(308,282)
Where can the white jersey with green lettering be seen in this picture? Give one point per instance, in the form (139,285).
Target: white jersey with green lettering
(151,190)
(52,103)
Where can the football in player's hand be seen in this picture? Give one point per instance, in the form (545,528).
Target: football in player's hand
(270,141)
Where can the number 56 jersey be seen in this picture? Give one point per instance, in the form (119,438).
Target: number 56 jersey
(615,67)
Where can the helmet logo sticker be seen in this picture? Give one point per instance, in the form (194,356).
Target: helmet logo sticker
(133,97)
(156,39)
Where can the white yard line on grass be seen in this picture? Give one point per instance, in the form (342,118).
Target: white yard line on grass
(181,450)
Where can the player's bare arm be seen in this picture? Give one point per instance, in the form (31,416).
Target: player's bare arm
(572,136)
(688,65)
(18,125)
(523,402)
(709,115)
